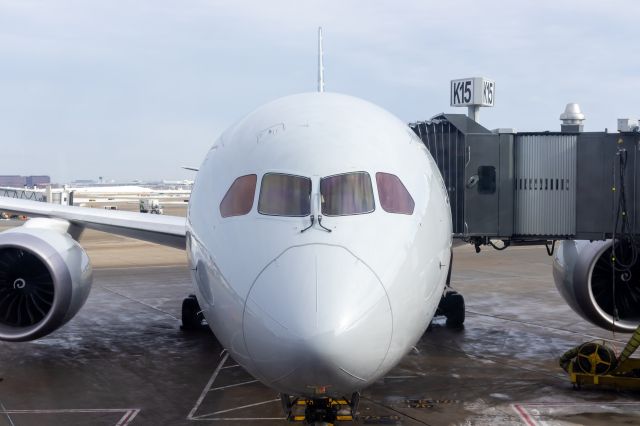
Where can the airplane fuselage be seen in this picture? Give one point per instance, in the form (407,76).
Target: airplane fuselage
(319,239)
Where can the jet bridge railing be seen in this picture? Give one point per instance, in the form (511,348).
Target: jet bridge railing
(25,194)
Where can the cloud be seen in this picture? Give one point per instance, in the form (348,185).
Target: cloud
(159,80)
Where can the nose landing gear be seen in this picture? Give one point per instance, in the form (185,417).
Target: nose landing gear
(452,307)
(192,316)
(452,303)
(324,411)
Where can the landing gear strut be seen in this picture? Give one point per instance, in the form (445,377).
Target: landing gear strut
(320,410)
(192,317)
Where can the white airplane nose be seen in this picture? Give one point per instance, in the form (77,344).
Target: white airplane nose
(317,321)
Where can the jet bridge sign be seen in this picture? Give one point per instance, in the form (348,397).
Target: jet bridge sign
(474,91)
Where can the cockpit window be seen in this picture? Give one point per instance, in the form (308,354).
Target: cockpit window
(346,194)
(394,197)
(285,195)
(238,200)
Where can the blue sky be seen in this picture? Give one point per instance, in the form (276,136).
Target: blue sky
(136,89)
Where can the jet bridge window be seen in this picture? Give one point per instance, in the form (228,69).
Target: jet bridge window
(238,200)
(487,180)
(394,197)
(346,194)
(285,195)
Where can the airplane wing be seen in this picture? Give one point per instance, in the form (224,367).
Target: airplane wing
(159,229)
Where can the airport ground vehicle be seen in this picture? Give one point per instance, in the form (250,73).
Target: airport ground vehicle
(150,205)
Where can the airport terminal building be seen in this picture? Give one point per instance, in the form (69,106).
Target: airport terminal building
(16,181)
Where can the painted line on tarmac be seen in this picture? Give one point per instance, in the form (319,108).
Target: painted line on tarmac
(524,416)
(241,407)
(213,417)
(235,419)
(231,366)
(125,420)
(545,327)
(207,387)
(138,301)
(128,417)
(4,410)
(232,386)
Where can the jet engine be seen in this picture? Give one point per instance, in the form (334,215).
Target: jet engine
(45,278)
(602,291)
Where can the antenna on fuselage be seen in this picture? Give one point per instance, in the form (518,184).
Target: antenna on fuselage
(320,65)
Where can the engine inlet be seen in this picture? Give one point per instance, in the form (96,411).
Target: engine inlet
(26,288)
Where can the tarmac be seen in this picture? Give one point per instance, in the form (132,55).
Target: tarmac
(123,360)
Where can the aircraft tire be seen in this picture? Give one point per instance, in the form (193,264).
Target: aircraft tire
(191,315)
(454,309)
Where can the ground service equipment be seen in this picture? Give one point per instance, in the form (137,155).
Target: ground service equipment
(595,364)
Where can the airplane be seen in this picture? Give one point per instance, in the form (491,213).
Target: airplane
(318,236)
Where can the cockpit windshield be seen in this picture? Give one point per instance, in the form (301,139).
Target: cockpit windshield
(238,200)
(393,195)
(285,195)
(347,194)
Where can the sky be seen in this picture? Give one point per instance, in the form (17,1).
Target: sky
(136,89)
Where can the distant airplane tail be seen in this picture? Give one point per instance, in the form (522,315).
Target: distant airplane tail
(320,64)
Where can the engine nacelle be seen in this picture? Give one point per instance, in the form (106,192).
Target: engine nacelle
(583,274)
(45,278)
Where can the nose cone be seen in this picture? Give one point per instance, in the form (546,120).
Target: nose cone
(317,321)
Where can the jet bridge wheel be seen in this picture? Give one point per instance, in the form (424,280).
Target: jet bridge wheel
(192,317)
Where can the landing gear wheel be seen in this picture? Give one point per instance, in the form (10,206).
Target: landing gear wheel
(452,307)
(455,315)
(192,317)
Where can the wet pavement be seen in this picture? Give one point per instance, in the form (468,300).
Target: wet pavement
(124,360)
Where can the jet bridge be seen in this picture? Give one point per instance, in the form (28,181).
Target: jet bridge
(533,187)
